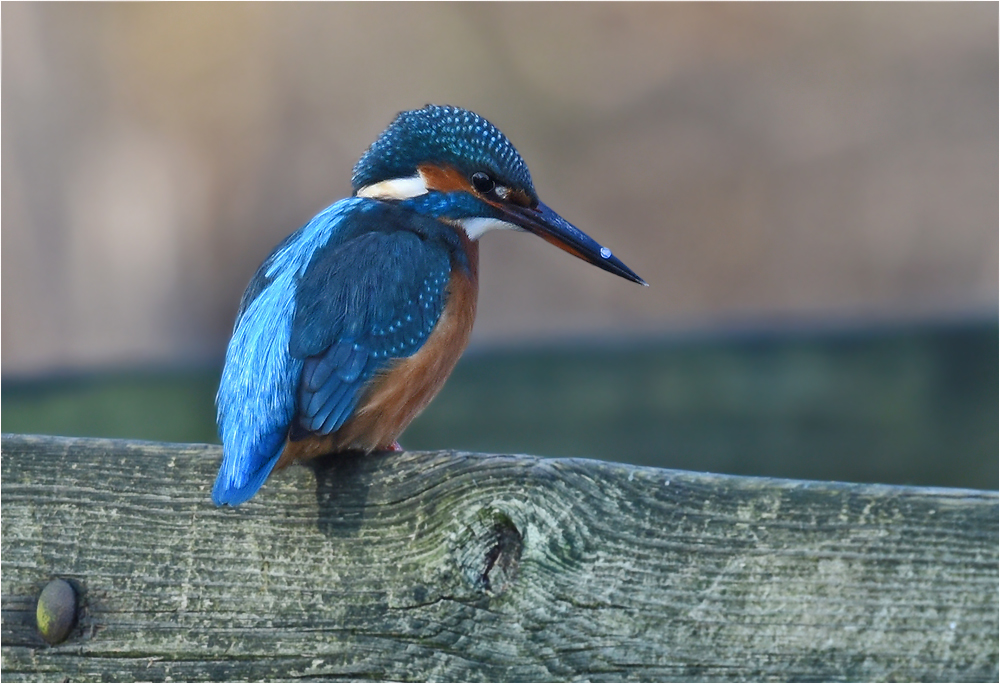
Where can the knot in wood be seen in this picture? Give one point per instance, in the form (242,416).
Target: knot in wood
(489,552)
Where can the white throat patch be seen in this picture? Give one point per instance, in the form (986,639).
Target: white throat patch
(476,227)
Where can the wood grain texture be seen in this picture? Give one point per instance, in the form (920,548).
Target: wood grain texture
(449,566)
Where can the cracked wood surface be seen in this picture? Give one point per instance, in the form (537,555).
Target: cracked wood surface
(451,566)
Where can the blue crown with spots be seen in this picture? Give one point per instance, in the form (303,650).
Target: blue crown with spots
(443,135)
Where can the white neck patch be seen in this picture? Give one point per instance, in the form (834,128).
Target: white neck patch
(395,188)
(478,226)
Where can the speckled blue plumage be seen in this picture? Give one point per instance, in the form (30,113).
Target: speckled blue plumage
(362,283)
(442,135)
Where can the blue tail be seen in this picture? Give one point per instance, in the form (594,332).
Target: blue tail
(234,485)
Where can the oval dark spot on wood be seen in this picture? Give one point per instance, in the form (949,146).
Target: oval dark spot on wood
(56,611)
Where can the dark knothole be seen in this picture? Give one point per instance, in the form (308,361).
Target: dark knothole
(491,552)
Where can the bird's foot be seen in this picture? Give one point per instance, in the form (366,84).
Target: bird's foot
(392,447)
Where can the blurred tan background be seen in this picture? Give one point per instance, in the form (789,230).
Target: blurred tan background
(753,162)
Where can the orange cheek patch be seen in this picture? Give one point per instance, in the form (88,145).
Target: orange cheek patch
(444,178)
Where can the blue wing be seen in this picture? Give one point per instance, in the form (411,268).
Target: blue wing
(330,307)
(372,299)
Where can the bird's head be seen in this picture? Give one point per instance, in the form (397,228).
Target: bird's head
(454,152)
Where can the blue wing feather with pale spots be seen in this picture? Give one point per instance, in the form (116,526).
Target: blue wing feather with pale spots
(330,307)
(362,304)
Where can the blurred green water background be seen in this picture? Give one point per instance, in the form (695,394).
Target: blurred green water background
(906,405)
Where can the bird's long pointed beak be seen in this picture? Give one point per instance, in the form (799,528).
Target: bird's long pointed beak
(553,228)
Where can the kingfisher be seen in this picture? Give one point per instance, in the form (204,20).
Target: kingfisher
(354,322)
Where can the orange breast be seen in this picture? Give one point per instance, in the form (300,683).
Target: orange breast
(394,397)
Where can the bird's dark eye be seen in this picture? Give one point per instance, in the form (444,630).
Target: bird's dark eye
(482,183)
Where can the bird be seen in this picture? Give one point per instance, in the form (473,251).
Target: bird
(353,323)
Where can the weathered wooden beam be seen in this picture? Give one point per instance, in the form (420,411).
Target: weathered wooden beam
(447,566)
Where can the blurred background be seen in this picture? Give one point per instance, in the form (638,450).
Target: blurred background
(811,192)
